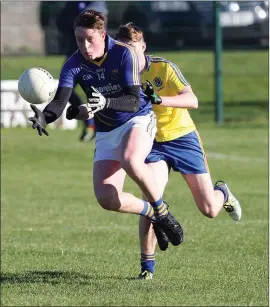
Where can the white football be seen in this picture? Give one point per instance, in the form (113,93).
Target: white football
(36,85)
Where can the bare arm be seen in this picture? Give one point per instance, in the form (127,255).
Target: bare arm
(185,99)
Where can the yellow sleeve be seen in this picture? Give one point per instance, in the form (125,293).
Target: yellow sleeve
(175,79)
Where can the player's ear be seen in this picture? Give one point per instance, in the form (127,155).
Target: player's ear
(103,34)
(144,46)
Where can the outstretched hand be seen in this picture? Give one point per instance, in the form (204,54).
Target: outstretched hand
(38,121)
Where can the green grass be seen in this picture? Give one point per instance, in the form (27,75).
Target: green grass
(59,248)
(245,80)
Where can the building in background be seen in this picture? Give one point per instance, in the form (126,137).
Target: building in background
(20,28)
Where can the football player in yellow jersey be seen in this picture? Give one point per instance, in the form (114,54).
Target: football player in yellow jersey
(177,144)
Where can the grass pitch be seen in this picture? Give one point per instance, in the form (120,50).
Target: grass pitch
(60,248)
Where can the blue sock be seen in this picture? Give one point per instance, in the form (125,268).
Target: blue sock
(90,122)
(160,208)
(148,262)
(147,210)
(223,190)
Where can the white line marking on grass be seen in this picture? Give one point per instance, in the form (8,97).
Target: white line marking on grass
(221,156)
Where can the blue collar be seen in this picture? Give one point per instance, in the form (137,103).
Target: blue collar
(109,43)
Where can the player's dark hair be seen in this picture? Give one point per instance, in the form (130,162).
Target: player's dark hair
(129,33)
(90,19)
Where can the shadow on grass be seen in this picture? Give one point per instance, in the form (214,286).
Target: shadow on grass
(56,277)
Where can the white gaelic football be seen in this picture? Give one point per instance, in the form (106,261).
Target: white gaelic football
(36,85)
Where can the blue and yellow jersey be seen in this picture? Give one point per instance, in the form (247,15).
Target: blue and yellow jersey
(117,69)
(167,80)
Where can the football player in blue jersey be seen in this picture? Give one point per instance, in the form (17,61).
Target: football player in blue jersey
(108,72)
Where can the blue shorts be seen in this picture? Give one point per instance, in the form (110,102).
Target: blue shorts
(185,154)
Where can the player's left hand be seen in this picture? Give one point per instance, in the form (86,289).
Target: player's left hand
(96,101)
(81,112)
(149,91)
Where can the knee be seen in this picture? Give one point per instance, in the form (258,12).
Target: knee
(209,211)
(210,214)
(109,202)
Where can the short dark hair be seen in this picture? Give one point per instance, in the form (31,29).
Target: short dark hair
(90,19)
(129,33)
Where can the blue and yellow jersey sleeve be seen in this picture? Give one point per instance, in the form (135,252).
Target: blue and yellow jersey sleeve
(68,74)
(168,80)
(130,74)
(175,79)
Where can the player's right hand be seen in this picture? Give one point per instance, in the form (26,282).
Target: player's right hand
(96,101)
(149,91)
(38,121)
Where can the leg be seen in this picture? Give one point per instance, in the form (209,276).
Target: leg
(208,200)
(146,233)
(188,158)
(136,145)
(108,186)
(90,123)
(89,130)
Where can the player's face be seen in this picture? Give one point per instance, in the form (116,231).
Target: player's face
(91,43)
